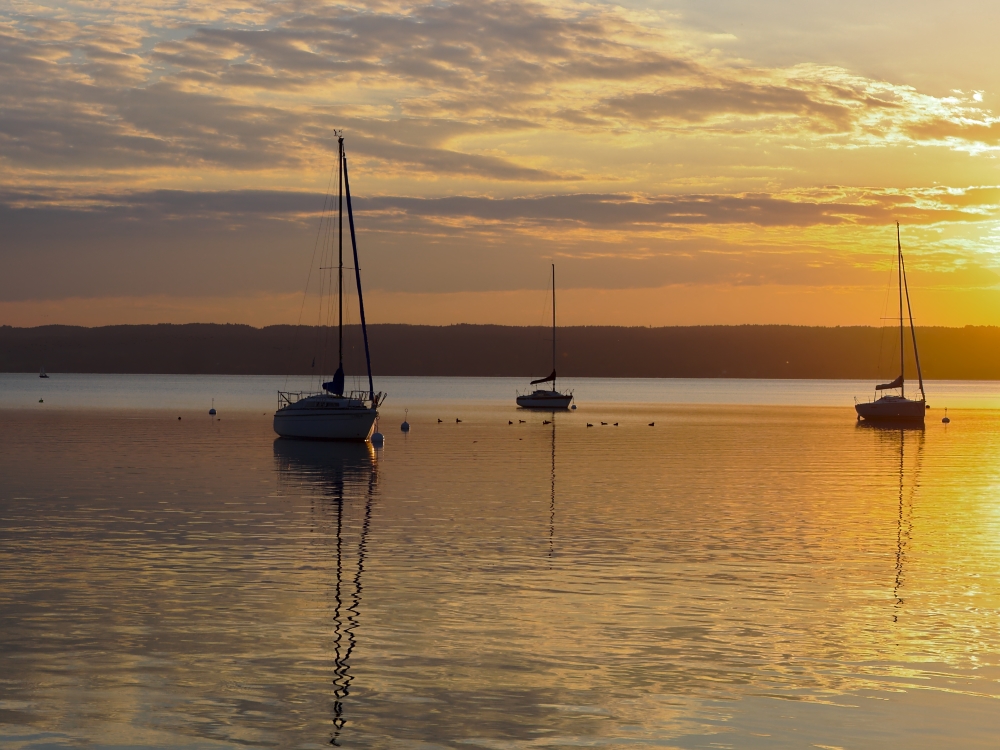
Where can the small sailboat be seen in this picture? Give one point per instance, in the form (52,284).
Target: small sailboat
(41,373)
(541,398)
(330,414)
(897,408)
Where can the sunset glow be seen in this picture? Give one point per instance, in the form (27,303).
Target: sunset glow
(681,162)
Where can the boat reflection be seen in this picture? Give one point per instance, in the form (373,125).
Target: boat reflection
(890,427)
(346,475)
(911,438)
(324,465)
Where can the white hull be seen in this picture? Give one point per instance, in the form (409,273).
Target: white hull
(545,400)
(325,424)
(336,426)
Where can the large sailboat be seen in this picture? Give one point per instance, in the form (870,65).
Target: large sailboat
(542,398)
(331,414)
(896,407)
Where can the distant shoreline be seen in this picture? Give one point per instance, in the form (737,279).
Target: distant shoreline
(748,351)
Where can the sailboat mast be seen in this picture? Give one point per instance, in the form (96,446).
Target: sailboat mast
(553,326)
(902,358)
(340,254)
(357,276)
(909,310)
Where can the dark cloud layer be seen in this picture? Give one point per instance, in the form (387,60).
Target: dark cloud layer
(832,206)
(230,242)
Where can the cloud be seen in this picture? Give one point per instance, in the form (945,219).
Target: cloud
(811,208)
(183,149)
(699,104)
(958,130)
(231,242)
(422,87)
(830,205)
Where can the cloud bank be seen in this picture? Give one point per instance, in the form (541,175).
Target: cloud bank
(484,136)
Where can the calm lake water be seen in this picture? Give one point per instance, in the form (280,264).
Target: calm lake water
(753,571)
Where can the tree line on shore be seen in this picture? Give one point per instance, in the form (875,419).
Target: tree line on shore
(745,351)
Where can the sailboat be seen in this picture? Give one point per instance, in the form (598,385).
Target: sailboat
(330,414)
(897,407)
(541,398)
(41,373)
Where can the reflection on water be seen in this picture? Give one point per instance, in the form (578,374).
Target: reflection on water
(552,496)
(734,576)
(343,472)
(904,526)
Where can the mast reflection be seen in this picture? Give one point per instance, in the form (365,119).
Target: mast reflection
(344,474)
(905,499)
(552,499)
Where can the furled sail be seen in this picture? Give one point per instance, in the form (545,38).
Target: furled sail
(897,383)
(336,386)
(551,377)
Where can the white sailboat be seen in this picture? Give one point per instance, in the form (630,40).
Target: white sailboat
(896,407)
(41,373)
(330,414)
(541,398)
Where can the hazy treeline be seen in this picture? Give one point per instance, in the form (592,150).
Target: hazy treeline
(748,351)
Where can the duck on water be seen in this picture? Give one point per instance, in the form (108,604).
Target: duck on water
(896,407)
(330,414)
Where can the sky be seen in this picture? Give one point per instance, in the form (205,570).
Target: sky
(680,161)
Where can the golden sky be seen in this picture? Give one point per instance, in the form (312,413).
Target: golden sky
(683,162)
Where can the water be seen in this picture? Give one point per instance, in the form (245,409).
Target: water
(739,575)
(258,392)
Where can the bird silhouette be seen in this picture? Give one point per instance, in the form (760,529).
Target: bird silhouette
(440,421)
(616,424)
(652,424)
(520,421)
(509,422)
(589,424)
(604,423)
(458,421)
(545,421)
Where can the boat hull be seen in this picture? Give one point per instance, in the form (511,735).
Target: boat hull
(547,400)
(325,424)
(892,409)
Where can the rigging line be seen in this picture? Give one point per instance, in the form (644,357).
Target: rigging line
(312,261)
(902,345)
(357,275)
(909,310)
(335,232)
(883,318)
(541,321)
(351,345)
(340,252)
(322,336)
